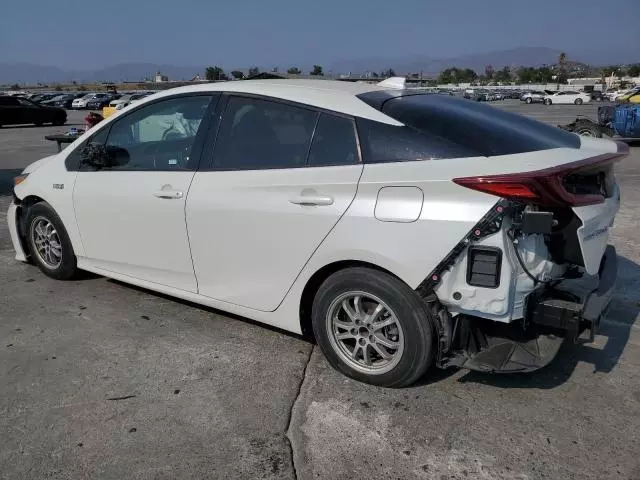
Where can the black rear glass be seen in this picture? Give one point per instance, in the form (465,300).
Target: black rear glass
(471,125)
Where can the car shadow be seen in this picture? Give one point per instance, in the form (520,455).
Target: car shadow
(615,328)
(211,310)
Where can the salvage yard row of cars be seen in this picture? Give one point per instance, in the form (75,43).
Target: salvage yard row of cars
(85,100)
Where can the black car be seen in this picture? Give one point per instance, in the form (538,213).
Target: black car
(596,96)
(16,111)
(100,102)
(65,100)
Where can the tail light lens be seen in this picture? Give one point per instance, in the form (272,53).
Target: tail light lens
(543,187)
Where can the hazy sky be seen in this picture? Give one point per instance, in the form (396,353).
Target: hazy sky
(92,33)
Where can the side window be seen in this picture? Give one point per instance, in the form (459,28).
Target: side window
(158,136)
(383,143)
(8,101)
(334,142)
(259,134)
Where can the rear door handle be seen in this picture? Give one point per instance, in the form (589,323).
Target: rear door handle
(312,200)
(175,194)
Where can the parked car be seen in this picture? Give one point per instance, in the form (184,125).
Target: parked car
(365,215)
(17,111)
(81,103)
(43,97)
(65,101)
(536,96)
(100,101)
(568,97)
(52,101)
(631,96)
(596,95)
(125,102)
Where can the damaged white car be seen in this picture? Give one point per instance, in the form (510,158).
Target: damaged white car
(400,230)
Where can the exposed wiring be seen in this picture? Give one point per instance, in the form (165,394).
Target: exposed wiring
(536,281)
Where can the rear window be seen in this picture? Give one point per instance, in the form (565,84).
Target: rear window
(381,142)
(473,126)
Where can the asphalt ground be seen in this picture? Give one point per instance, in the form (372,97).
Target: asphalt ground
(102,380)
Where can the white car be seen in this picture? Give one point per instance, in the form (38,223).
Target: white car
(79,103)
(568,97)
(364,215)
(127,99)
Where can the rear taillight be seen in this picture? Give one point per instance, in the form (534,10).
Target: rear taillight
(543,187)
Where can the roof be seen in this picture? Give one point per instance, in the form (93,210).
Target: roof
(328,94)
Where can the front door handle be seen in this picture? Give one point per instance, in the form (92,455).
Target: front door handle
(312,200)
(169,193)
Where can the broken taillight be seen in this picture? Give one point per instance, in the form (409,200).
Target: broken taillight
(543,187)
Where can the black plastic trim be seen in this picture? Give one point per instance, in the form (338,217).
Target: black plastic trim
(496,253)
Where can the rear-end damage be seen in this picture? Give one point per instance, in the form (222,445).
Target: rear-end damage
(536,270)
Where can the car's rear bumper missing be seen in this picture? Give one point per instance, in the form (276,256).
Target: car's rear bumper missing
(577,305)
(553,314)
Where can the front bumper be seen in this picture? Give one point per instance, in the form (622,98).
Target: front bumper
(12,217)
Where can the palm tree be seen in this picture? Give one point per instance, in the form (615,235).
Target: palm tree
(562,71)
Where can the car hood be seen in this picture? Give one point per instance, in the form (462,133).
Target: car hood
(32,167)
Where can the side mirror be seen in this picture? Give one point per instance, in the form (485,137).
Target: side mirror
(102,156)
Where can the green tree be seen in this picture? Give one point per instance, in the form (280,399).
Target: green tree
(58,88)
(254,71)
(214,73)
(503,76)
(237,74)
(294,71)
(82,88)
(634,70)
(317,70)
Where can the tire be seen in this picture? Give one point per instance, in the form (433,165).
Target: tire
(587,129)
(528,100)
(60,121)
(45,228)
(408,340)
(578,101)
(547,101)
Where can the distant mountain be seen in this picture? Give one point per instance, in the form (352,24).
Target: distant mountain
(525,56)
(522,56)
(31,74)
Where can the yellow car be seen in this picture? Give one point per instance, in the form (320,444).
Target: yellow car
(632,96)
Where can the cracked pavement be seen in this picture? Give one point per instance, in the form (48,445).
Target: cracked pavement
(212,396)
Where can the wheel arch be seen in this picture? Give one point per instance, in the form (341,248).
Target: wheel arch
(24,204)
(314,282)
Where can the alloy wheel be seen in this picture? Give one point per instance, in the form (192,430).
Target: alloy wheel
(47,242)
(365,332)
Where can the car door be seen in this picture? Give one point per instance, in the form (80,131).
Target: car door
(280,178)
(130,213)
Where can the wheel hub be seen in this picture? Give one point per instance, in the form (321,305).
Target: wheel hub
(365,332)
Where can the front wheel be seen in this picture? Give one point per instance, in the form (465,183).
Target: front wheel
(578,101)
(48,242)
(547,101)
(528,100)
(373,327)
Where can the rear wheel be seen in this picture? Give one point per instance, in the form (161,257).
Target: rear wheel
(48,242)
(528,100)
(578,101)
(373,327)
(60,121)
(547,101)
(587,129)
